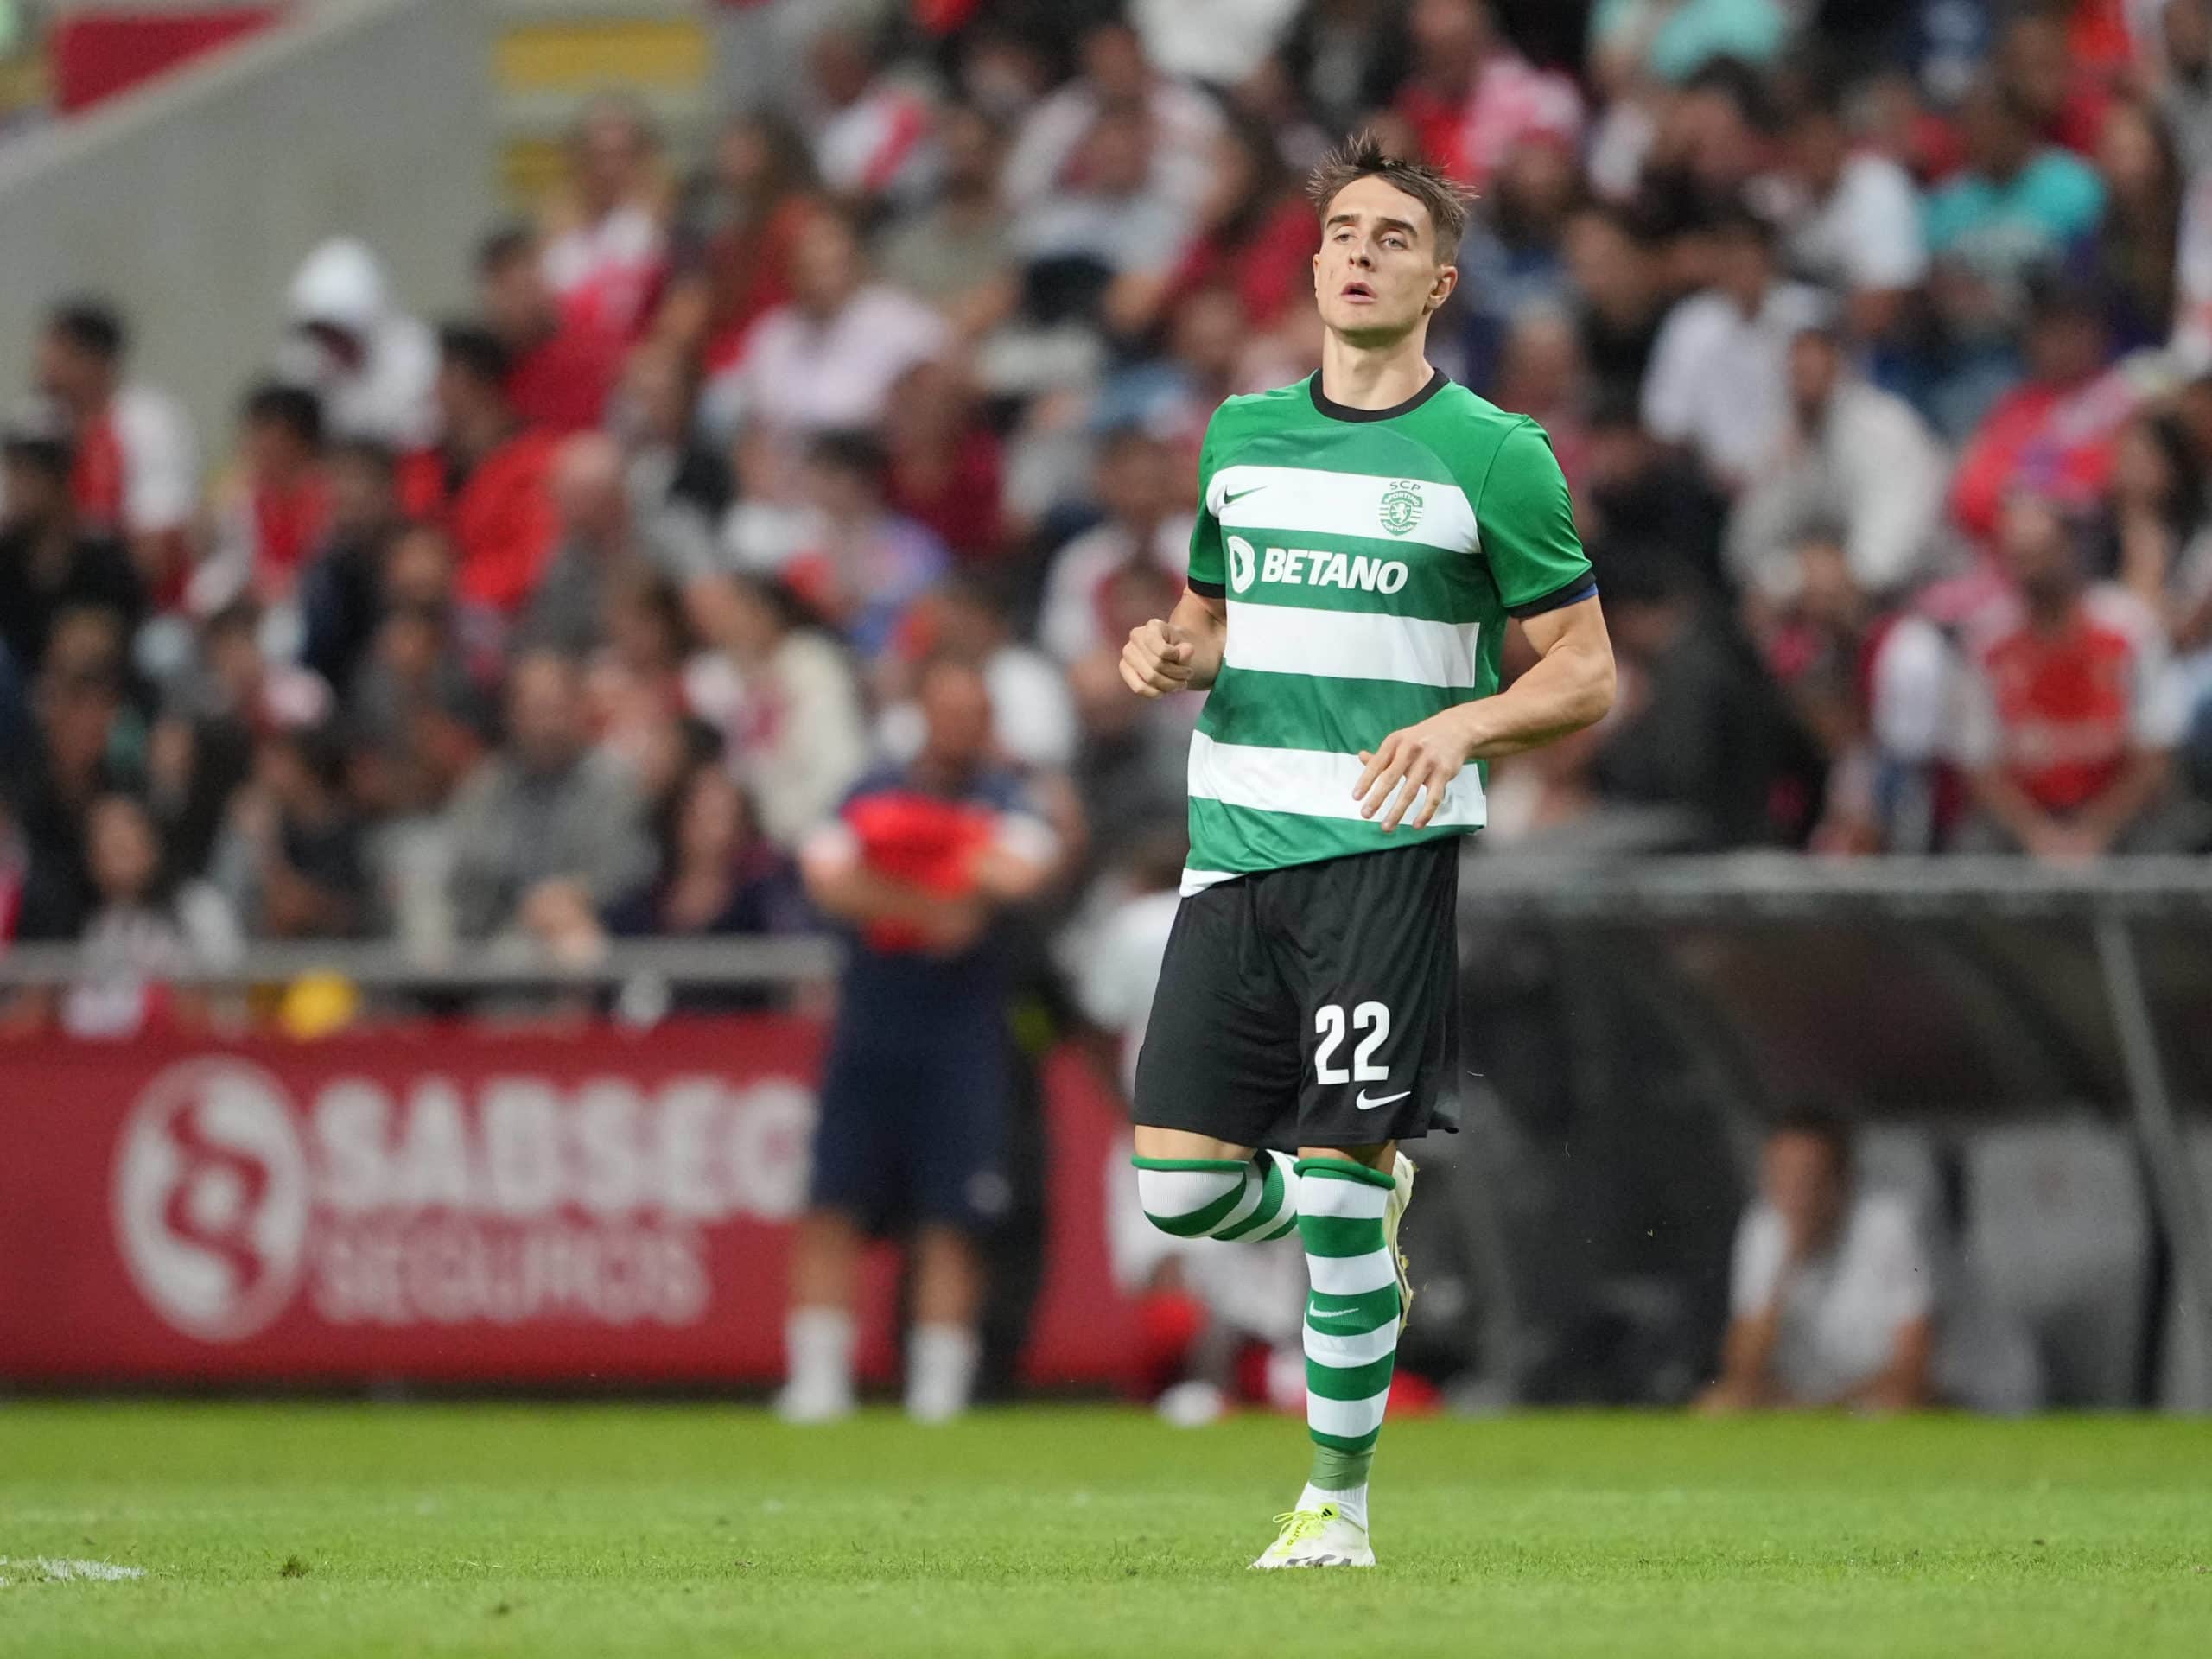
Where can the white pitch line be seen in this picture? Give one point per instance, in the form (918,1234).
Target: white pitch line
(53,1568)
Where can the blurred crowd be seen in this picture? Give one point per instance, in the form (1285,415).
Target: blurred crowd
(1875,337)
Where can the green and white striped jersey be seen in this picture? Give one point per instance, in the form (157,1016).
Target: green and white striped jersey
(1370,558)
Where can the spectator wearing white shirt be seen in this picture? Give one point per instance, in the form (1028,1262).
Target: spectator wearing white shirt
(1831,1292)
(828,358)
(1048,150)
(1141,531)
(374,366)
(1858,229)
(1858,466)
(1121,216)
(1719,381)
(134,475)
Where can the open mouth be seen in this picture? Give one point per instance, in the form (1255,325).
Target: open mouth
(1356,291)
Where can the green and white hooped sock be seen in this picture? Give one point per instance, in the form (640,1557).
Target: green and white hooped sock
(1352,1322)
(1220,1198)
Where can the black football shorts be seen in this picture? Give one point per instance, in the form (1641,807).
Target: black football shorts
(1314,1006)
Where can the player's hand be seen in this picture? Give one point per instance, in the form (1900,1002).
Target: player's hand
(1158,658)
(1426,757)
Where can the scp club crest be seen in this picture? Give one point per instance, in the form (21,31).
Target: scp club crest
(1402,506)
(211,1197)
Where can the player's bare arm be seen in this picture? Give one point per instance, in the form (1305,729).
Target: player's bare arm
(1569,687)
(1180,654)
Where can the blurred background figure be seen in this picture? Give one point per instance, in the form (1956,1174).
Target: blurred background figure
(917,865)
(1831,1293)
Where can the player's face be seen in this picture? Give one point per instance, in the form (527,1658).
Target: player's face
(1379,273)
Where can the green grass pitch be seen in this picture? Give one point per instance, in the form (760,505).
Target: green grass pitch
(671,1530)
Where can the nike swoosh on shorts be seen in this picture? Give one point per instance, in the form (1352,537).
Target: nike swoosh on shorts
(1367,1105)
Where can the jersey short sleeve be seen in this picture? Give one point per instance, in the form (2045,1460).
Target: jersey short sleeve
(1208,575)
(1527,524)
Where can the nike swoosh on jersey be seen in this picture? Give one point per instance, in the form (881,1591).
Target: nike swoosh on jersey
(1367,1105)
(1239,495)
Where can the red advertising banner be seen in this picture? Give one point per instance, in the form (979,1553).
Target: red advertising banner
(440,1204)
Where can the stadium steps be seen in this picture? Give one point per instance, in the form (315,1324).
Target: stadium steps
(549,58)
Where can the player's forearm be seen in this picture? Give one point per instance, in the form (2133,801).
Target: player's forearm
(1206,620)
(1569,687)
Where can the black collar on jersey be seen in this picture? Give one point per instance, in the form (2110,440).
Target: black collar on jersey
(1337,411)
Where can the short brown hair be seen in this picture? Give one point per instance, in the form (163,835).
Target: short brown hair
(1362,155)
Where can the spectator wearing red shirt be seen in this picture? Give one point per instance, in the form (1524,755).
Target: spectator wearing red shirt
(564,370)
(738,239)
(133,473)
(2057,430)
(946,465)
(1472,97)
(607,258)
(2069,710)
(273,512)
(496,483)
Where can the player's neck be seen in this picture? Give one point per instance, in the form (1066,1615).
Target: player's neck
(1374,377)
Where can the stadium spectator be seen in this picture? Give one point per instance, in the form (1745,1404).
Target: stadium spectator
(1032,716)
(1857,469)
(719,876)
(1670,41)
(2019,206)
(946,468)
(374,366)
(495,474)
(782,696)
(2054,433)
(679,485)
(2184,95)
(562,370)
(1692,752)
(1831,1293)
(133,469)
(147,927)
(291,862)
(1472,99)
(598,547)
(606,248)
(1856,228)
(1178,124)
(50,564)
(860,565)
(546,835)
(956,249)
(273,512)
(737,241)
(1719,380)
(2134,259)
(1141,532)
(828,358)
(341,590)
(872,138)
(1118,217)
(919,865)
(2070,710)
(1618,289)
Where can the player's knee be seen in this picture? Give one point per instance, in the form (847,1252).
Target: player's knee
(1189,1201)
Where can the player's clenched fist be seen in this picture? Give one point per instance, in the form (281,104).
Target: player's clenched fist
(1158,658)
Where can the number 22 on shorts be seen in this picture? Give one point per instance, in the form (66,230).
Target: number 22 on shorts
(1328,1025)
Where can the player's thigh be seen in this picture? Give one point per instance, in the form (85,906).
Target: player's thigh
(1374,960)
(1219,1063)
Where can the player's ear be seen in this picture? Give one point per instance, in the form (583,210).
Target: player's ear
(1447,278)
